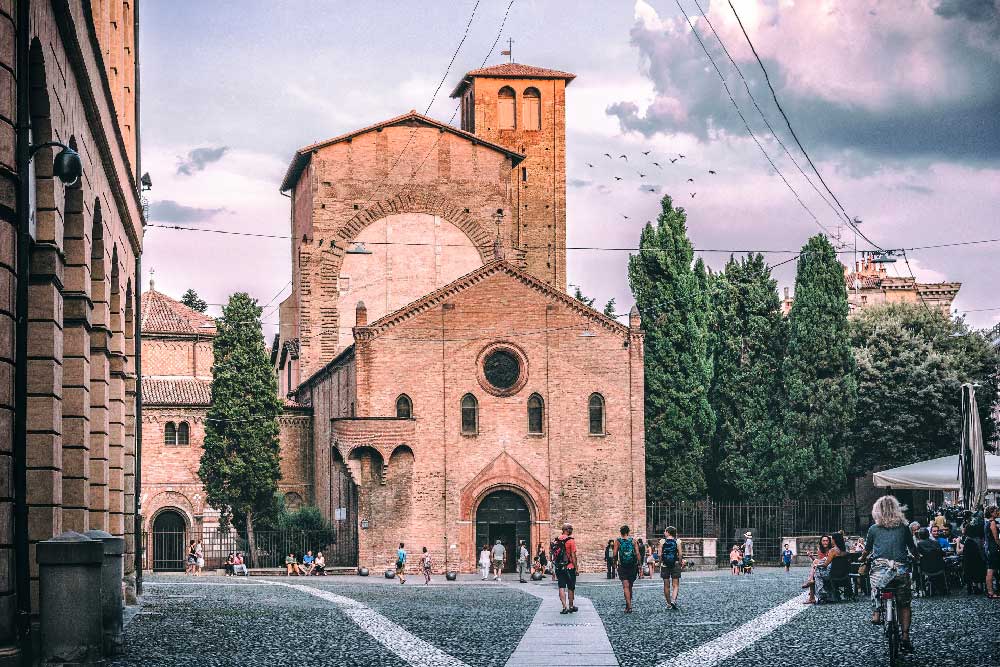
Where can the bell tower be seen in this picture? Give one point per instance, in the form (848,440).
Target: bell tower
(523,108)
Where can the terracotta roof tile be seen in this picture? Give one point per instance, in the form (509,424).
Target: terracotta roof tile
(161,314)
(176,391)
(512,71)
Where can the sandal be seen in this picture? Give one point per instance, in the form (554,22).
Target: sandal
(808,584)
(992,596)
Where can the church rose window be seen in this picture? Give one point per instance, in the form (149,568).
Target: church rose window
(502,369)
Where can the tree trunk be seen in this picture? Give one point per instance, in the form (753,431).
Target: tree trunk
(251,542)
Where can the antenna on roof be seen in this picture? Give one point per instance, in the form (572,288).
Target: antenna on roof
(152,273)
(509,51)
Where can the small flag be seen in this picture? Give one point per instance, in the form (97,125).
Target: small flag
(505,53)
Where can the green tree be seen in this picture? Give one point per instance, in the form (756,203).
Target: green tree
(583,298)
(820,390)
(193,301)
(240,466)
(910,363)
(746,352)
(669,295)
(609,308)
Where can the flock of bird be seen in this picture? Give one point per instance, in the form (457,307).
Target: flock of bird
(623,156)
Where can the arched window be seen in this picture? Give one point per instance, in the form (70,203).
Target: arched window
(532,109)
(170,434)
(182,433)
(404,407)
(505,109)
(595,406)
(470,415)
(536,413)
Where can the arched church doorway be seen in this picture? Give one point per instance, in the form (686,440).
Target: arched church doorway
(504,516)
(169,531)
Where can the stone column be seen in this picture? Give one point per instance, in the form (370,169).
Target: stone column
(111,590)
(70,600)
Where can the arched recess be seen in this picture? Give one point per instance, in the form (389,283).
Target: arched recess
(504,515)
(506,109)
(399,483)
(531,112)
(343,511)
(170,532)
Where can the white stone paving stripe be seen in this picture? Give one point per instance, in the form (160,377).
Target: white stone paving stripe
(407,646)
(726,646)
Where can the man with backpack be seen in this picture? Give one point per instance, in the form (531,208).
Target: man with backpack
(564,563)
(671,565)
(627,557)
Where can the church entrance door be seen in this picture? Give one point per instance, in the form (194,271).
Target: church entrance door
(504,516)
(169,531)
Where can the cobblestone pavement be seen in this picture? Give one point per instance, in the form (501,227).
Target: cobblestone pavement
(218,621)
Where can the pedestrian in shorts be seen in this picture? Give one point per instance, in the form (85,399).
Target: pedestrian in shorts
(565,565)
(671,565)
(425,564)
(499,556)
(627,560)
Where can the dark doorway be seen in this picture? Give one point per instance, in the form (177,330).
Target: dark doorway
(343,514)
(169,531)
(504,516)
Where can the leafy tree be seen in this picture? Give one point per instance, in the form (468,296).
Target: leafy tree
(240,466)
(609,308)
(820,390)
(910,364)
(193,301)
(583,298)
(670,298)
(746,352)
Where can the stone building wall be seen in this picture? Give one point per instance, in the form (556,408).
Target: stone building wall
(80,302)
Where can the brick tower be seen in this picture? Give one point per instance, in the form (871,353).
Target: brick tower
(524,108)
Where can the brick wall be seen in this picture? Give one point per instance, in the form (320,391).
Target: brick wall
(176,355)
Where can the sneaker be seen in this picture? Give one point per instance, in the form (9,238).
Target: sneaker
(573,609)
(906,646)
(673,605)
(564,611)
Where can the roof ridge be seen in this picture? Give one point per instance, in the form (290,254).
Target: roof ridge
(462,283)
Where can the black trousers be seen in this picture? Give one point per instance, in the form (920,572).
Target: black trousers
(611,569)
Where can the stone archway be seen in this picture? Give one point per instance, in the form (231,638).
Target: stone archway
(504,515)
(169,540)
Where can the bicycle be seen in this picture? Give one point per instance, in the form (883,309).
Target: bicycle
(887,612)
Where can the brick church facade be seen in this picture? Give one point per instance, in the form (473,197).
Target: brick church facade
(457,394)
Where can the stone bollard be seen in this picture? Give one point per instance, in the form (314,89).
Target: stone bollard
(69,592)
(112,603)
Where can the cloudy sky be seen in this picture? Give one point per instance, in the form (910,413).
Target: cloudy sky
(897,102)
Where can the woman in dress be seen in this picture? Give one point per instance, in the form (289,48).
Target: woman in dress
(820,569)
(200,555)
(484,562)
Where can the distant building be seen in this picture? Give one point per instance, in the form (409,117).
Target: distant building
(870,284)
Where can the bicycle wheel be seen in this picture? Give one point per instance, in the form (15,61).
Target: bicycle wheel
(892,633)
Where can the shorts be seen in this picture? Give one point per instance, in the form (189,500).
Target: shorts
(671,572)
(898,578)
(400,568)
(628,572)
(566,578)
(993,559)
(733,563)
(498,563)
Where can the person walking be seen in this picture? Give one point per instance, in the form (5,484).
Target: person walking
(786,558)
(192,559)
(425,564)
(401,563)
(627,561)
(543,560)
(565,566)
(199,551)
(499,556)
(522,562)
(992,549)
(642,556)
(609,558)
(671,565)
(748,552)
(484,561)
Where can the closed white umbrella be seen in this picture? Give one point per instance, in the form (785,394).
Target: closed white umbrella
(972,455)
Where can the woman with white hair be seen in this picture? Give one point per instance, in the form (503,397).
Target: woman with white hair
(890,545)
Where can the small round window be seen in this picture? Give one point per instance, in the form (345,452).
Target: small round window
(502,368)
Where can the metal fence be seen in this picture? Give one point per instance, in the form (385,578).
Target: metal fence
(166,551)
(768,522)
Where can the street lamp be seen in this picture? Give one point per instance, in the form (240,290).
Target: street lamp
(66,165)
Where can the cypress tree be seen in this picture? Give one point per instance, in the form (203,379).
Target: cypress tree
(747,350)
(193,301)
(820,390)
(671,301)
(240,465)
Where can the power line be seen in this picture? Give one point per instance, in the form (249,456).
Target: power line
(746,124)
(788,123)
(761,112)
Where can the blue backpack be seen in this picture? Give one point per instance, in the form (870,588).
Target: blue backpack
(626,552)
(669,556)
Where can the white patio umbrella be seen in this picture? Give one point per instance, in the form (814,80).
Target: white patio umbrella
(972,456)
(939,474)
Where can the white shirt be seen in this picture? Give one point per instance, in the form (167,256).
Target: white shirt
(484,557)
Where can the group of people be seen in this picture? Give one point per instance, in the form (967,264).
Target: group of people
(236,565)
(492,561)
(425,564)
(955,538)
(741,556)
(195,558)
(649,553)
(309,566)
(628,557)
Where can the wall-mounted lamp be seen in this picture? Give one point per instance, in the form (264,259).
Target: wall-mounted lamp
(66,166)
(146,182)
